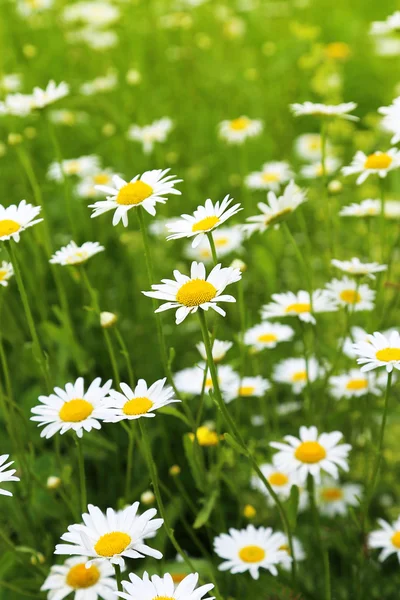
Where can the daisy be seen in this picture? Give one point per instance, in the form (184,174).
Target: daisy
(391,118)
(18,105)
(143,190)
(15,219)
(347,292)
(293,371)
(251,549)
(356,268)
(238,130)
(308,146)
(155,587)
(247,387)
(188,294)
(76,255)
(290,304)
(366,208)
(390,25)
(316,169)
(392,209)
(271,176)
(379,351)
(50,94)
(99,85)
(6,272)
(325,110)
(10,82)
(334,498)
(190,381)
(204,219)
(298,549)
(5,475)
(358,334)
(82,167)
(387,538)
(26,8)
(111,536)
(94,14)
(280,481)
(72,408)
(219,350)
(312,453)
(353,384)
(149,134)
(142,402)
(68,117)
(378,162)
(88,583)
(87,186)
(226,240)
(267,335)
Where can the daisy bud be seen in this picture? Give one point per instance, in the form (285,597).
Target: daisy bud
(53,482)
(14,139)
(133,77)
(239,264)
(147,497)
(249,511)
(108,129)
(29,50)
(107,319)
(335,186)
(30,132)
(175,470)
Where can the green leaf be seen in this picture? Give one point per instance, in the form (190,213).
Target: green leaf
(206,511)
(189,448)
(293,505)
(173,412)
(233,443)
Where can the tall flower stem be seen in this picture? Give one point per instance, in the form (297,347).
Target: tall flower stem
(382,217)
(82,477)
(125,353)
(317,527)
(118,577)
(212,246)
(303,265)
(325,199)
(234,431)
(128,476)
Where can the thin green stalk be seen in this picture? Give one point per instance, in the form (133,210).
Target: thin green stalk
(125,353)
(325,200)
(118,577)
(317,526)
(382,217)
(128,476)
(305,268)
(82,477)
(212,246)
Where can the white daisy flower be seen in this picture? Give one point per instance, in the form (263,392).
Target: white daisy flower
(88,583)
(387,538)
(288,407)
(190,381)
(293,371)
(6,272)
(251,549)
(95,14)
(353,384)
(356,268)
(290,304)
(391,119)
(334,498)
(277,209)
(96,39)
(10,82)
(247,387)
(325,110)
(141,402)
(163,588)
(68,117)
(347,292)
(219,350)
(298,549)
(308,146)
(27,8)
(72,408)
(379,163)
(16,218)
(188,294)
(204,219)
(366,208)
(87,186)
(271,176)
(99,85)
(358,334)
(17,105)
(72,254)
(226,241)
(50,94)
(238,130)
(315,170)
(143,190)
(312,453)
(390,25)
(6,475)
(149,134)
(267,335)
(82,167)
(280,481)
(111,536)
(379,351)
(392,209)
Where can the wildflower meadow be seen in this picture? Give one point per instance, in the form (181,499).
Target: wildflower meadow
(199,300)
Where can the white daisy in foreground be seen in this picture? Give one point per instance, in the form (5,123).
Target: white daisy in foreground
(6,272)
(72,408)
(347,292)
(82,167)
(86,188)
(267,335)
(312,453)
(353,384)
(238,130)
(298,549)
(191,380)
(390,25)
(50,94)
(379,163)
(293,371)
(204,219)
(72,254)
(140,402)
(111,536)
(247,387)
(334,498)
(143,190)
(308,146)
(358,269)
(148,135)
(16,218)
(251,549)
(188,294)
(6,475)
(315,169)
(290,304)
(366,208)
(88,583)
(163,588)
(379,351)
(277,209)
(325,110)
(271,176)
(219,350)
(226,241)
(280,481)
(387,538)
(391,119)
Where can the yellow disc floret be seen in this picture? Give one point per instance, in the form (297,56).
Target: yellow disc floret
(196,292)
(134,193)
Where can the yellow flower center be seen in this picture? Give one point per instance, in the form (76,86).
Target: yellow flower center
(315,143)
(112,543)
(337,50)
(195,292)
(72,168)
(350,296)
(279,216)
(205,224)
(388,354)
(134,193)
(78,257)
(270,177)
(137,406)
(298,307)
(178,577)
(101,179)
(331,494)
(8,227)
(163,597)
(357,384)
(246,390)
(278,479)
(205,253)
(378,161)
(222,241)
(267,337)
(310,452)
(81,577)
(205,436)
(240,123)
(395,539)
(299,376)
(209,382)
(3,274)
(285,548)
(75,410)
(252,554)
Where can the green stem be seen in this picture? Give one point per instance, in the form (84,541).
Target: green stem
(303,264)
(125,353)
(212,246)
(82,477)
(317,527)
(128,477)
(118,577)
(382,217)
